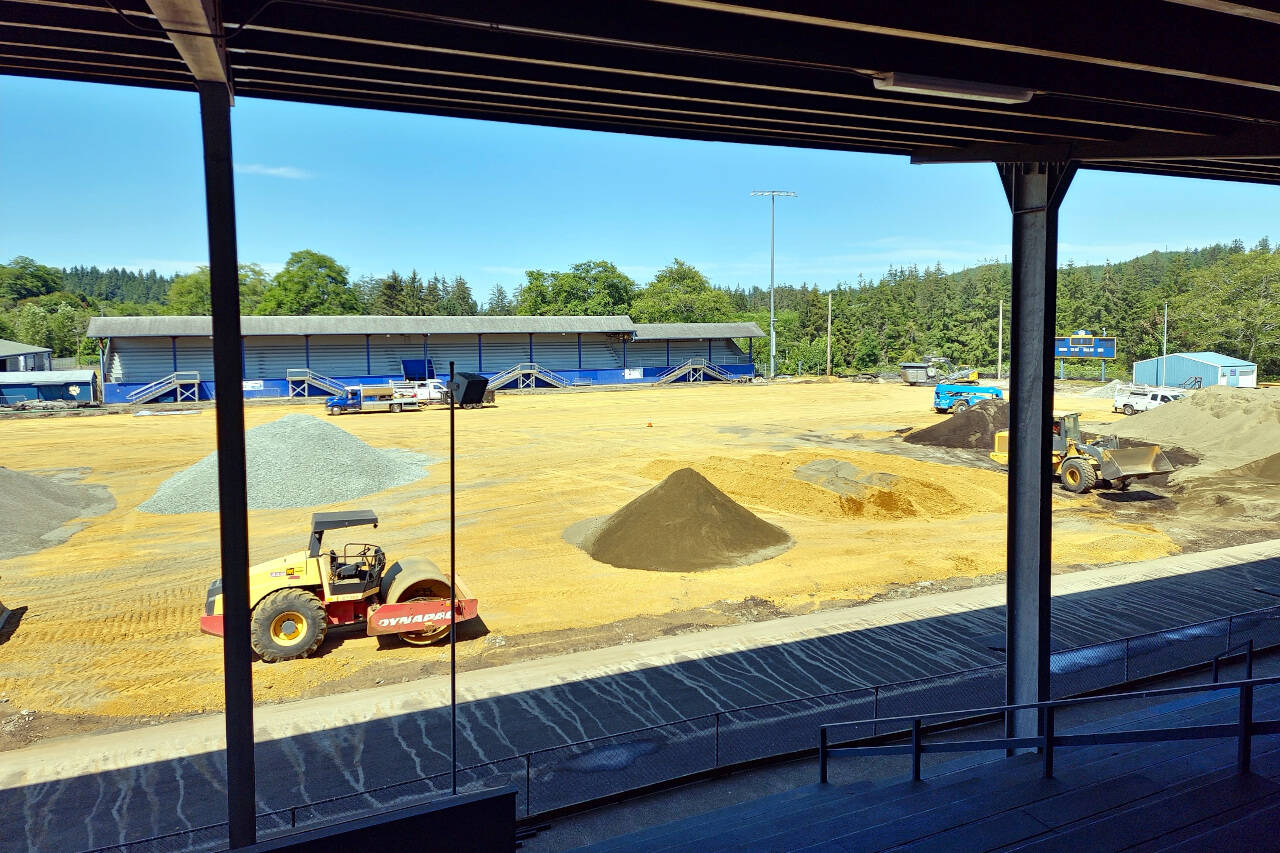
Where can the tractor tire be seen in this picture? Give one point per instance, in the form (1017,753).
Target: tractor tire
(958,407)
(395,408)
(287,624)
(334,410)
(1128,409)
(1078,476)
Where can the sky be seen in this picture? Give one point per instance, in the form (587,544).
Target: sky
(112,176)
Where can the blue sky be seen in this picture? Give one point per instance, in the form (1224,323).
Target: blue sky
(106,175)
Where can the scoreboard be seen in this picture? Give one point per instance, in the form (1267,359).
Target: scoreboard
(1084,346)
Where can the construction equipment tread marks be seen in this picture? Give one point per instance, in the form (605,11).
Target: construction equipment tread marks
(1078,475)
(287,624)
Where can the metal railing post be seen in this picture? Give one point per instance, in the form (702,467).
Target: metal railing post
(915,750)
(1244,746)
(822,755)
(1215,670)
(528,784)
(717,718)
(1248,659)
(1047,726)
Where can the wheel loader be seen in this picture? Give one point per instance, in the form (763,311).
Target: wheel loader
(1081,466)
(294,600)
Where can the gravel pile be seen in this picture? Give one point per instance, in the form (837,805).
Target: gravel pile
(1108,390)
(297,461)
(36,509)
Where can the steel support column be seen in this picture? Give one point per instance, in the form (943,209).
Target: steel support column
(233,514)
(479,353)
(579,350)
(531,347)
(1035,191)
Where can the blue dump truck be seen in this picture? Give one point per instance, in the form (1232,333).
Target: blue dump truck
(957,398)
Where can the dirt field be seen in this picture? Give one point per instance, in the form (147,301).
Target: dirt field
(108,620)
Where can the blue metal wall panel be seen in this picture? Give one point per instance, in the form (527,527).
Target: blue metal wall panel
(461,349)
(1178,370)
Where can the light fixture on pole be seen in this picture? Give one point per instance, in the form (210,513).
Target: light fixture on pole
(773,340)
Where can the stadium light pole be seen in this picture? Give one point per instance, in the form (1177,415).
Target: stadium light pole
(773,339)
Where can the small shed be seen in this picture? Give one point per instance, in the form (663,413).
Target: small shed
(78,386)
(1184,368)
(15,356)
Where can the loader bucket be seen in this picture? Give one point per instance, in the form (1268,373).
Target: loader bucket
(1134,463)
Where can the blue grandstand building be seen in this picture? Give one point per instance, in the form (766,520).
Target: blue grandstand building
(171,358)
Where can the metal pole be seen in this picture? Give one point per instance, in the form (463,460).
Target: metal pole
(453,601)
(1035,191)
(1000,341)
(1164,349)
(773,340)
(233,499)
(828,334)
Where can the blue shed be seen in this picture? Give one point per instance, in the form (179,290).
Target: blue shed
(1184,368)
(80,386)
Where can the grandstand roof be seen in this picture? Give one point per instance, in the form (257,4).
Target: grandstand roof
(1184,87)
(688,331)
(162,326)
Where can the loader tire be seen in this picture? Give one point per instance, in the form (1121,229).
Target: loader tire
(287,624)
(1078,476)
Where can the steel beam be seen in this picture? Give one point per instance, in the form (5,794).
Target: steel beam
(196,33)
(1035,191)
(233,502)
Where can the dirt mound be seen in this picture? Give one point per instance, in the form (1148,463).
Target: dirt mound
(851,485)
(684,524)
(1264,470)
(973,429)
(1228,427)
(296,461)
(35,508)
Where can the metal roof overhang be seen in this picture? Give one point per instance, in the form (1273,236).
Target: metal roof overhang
(1177,87)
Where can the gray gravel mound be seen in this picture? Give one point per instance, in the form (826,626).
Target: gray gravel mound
(36,508)
(1108,390)
(296,461)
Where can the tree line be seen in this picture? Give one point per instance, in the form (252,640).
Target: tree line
(1224,298)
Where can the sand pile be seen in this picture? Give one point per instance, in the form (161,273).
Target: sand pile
(296,461)
(852,485)
(1228,427)
(684,524)
(36,509)
(973,429)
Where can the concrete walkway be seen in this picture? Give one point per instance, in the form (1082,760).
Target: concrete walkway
(165,778)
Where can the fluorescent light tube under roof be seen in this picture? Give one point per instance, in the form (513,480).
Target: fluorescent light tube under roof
(920,84)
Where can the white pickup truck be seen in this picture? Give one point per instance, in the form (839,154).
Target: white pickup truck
(1132,399)
(424,391)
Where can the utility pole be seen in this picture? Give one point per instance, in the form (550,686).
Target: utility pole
(828,334)
(1000,341)
(1164,349)
(773,338)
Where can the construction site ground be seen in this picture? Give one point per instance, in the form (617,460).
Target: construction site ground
(104,630)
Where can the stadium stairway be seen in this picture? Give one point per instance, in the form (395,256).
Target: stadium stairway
(1178,795)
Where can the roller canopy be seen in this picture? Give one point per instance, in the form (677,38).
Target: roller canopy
(322,521)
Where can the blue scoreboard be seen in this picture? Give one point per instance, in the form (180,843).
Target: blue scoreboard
(1084,345)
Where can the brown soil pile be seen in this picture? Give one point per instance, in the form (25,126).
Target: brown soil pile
(684,524)
(973,429)
(848,485)
(37,508)
(1264,470)
(1229,427)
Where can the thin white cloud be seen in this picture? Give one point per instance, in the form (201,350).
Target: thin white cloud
(164,266)
(291,172)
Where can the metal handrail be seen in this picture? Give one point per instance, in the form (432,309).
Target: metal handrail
(164,383)
(1243,729)
(1247,645)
